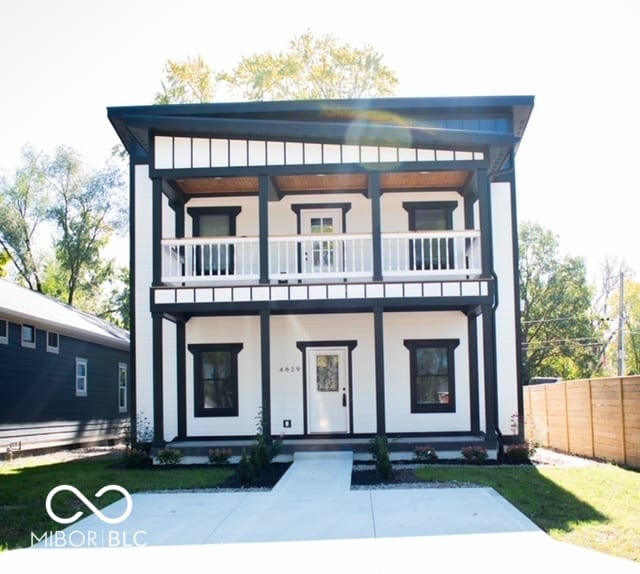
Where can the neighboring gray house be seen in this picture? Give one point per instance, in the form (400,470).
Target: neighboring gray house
(64,374)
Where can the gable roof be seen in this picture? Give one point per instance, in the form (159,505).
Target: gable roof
(22,305)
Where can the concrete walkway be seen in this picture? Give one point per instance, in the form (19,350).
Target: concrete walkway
(312,521)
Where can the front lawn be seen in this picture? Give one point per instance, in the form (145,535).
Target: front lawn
(596,507)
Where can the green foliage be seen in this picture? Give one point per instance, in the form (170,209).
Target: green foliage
(246,469)
(219,455)
(379,449)
(189,81)
(134,457)
(560,337)
(519,453)
(313,68)
(425,454)
(474,454)
(169,456)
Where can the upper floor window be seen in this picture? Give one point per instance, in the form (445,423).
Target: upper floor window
(123,384)
(81,377)
(53,342)
(29,336)
(4,332)
(428,253)
(216,379)
(432,375)
(214,222)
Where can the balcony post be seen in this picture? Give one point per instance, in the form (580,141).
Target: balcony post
(376,219)
(156,232)
(486,231)
(263,225)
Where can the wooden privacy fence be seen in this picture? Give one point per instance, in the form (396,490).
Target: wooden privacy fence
(598,418)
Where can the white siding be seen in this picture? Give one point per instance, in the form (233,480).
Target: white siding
(169,388)
(287,385)
(245,330)
(435,325)
(506,367)
(143,192)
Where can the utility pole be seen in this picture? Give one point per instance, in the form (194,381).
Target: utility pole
(621,328)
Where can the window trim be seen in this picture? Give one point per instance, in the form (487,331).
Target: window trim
(81,392)
(198,386)
(4,339)
(450,345)
(23,341)
(53,348)
(123,408)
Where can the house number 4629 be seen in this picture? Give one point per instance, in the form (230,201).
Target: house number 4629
(289,369)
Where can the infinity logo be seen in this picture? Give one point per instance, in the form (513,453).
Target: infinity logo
(88,504)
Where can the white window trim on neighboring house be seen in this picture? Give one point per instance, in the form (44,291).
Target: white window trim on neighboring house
(29,344)
(123,387)
(4,339)
(81,389)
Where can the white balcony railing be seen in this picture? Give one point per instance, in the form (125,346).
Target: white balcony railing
(217,260)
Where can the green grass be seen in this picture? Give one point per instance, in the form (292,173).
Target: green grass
(23,491)
(596,507)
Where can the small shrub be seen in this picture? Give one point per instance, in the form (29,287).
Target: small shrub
(425,454)
(519,453)
(219,455)
(475,454)
(135,457)
(379,448)
(170,456)
(246,469)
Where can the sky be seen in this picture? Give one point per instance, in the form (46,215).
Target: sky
(63,62)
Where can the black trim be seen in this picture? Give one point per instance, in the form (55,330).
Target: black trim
(376,225)
(156,232)
(263,227)
(378,335)
(133,362)
(474,376)
(181,378)
(490,379)
(449,345)
(486,226)
(199,409)
(303,346)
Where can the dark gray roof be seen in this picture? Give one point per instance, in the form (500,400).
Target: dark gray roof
(22,305)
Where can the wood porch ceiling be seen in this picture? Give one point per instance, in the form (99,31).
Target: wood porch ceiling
(354,182)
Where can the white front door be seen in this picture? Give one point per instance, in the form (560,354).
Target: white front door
(327,390)
(321,256)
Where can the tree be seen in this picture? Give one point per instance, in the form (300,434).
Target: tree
(24,204)
(189,81)
(560,336)
(88,207)
(310,68)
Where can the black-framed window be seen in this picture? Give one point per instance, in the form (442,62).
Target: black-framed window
(430,254)
(432,374)
(214,222)
(4,332)
(216,379)
(28,337)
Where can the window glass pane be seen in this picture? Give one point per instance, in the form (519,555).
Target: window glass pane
(3,328)
(217,380)
(214,225)
(52,339)
(327,369)
(431,219)
(432,376)
(28,334)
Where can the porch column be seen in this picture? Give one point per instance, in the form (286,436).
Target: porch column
(265,369)
(181,378)
(376,219)
(378,335)
(263,226)
(488,311)
(474,395)
(158,409)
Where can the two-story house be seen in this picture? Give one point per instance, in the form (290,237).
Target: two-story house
(348,267)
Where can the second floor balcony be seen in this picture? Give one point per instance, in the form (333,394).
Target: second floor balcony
(325,258)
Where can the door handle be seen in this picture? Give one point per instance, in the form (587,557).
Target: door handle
(344,399)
